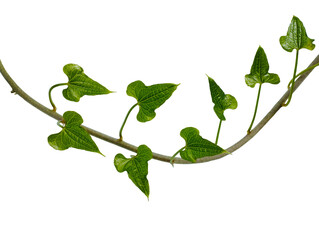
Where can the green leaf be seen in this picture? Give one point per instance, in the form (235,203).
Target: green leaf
(149,98)
(221,100)
(136,167)
(259,71)
(80,84)
(196,146)
(73,135)
(296,37)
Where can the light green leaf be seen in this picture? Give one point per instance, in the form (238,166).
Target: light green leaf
(73,135)
(80,84)
(221,100)
(259,71)
(149,98)
(296,37)
(196,146)
(136,167)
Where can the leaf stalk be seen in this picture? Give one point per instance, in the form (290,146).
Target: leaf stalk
(218,131)
(175,154)
(255,112)
(126,117)
(59,123)
(293,80)
(50,97)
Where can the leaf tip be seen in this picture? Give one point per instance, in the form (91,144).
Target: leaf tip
(209,78)
(295,17)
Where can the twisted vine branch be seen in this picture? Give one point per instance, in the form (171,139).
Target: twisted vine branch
(16,89)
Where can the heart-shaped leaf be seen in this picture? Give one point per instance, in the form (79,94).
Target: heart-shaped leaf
(221,100)
(149,98)
(80,84)
(73,135)
(136,167)
(196,146)
(259,71)
(296,37)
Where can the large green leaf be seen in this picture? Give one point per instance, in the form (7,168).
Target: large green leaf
(259,71)
(196,146)
(80,84)
(149,98)
(136,167)
(73,135)
(221,100)
(296,37)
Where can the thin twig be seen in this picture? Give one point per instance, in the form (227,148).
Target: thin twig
(16,89)
(265,120)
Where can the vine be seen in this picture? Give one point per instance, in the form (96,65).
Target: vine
(149,98)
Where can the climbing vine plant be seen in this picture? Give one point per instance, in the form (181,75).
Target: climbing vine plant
(149,98)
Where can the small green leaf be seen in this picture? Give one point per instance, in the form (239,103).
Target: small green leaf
(149,98)
(296,37)
(259,71)
(80,84)
(196,146)
(221,100)
(73,135)
(136,167)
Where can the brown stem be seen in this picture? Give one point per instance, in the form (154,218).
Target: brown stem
(16,89)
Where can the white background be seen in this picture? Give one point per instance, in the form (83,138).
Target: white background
(268,189)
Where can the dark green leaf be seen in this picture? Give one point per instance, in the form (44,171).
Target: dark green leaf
(80,84)
(73,135)
(259,71)
(221,100)
(296,37)
(196,146)
(136,167)
(149,98)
